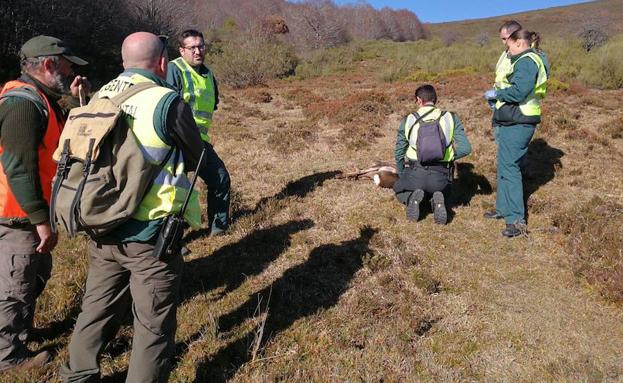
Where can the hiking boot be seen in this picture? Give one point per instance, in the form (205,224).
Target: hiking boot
(36,361)
(440,214)
(512,230)
(413,206)
(492,215)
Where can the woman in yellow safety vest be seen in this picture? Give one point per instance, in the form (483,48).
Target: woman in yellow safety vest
(517,111)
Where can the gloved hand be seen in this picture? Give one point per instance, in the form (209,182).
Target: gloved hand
(491,104)
(490,94)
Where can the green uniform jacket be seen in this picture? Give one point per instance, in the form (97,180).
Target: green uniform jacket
(462,146)
(522,79)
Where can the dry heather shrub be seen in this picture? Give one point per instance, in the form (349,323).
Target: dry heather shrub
(252,61)
(613,128)
(258,96)
(360,116)
(302,96)
(367,108)
(288,138)
(595,242)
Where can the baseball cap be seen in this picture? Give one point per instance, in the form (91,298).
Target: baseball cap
(49,46)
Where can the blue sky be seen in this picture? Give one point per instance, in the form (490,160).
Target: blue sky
(437,11)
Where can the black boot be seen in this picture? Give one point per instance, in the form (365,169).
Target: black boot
(440,214)
(413,205)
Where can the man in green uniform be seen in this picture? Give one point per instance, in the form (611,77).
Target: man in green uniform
(33,109)
(123,270)
(428,179)
(196,84)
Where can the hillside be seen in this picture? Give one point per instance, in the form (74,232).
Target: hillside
(557,21)
(322,279)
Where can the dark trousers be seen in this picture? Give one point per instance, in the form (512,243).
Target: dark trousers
(428,179)
(120,276)
(23,276)
(216,178)
(513,142)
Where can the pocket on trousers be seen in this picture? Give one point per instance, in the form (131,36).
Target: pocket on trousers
(17,274)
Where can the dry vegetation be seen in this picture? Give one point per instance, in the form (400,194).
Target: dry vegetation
(323,279)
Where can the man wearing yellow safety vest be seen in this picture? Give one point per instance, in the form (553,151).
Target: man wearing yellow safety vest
(420,135)
(123,270)
(516,101)
(196,84)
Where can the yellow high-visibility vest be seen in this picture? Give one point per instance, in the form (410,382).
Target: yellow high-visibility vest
(171,186)
(199,93)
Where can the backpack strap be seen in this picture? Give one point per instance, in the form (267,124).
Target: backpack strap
(418,118)
(61,173)
(75,203)
(31,95)
(131,91)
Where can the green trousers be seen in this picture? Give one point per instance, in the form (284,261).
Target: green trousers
(122,276)
(512,142)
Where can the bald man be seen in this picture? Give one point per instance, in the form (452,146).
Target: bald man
(123,269)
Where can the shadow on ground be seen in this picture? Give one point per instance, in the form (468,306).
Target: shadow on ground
(302,291)
(540,167)
(467,184)
(298,188)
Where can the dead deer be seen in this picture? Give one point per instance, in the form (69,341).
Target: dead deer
(383,174)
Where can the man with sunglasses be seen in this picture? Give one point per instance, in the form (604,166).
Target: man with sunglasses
(33,109)
(124,271)
(195,82)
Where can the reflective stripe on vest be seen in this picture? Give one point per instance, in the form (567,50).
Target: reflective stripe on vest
(531,106)
(447,127)
(502,69)
(171,185)
(9,208)
(199,93)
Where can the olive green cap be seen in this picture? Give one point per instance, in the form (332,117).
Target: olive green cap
(49,46)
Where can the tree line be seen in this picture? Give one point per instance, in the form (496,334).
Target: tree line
(96,29)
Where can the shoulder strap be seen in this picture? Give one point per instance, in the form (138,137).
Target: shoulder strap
(417,119)
(133,90)
(30,95)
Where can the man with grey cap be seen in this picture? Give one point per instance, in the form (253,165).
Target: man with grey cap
(33,109)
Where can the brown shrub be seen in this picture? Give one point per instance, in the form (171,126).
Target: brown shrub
(302,96)
(613,128)
(594,233)
(288,138)
(360,116)
(258,96)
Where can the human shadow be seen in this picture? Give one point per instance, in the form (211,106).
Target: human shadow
(539,167)
(467,184)
(298,188)
(230,265)
(302,291)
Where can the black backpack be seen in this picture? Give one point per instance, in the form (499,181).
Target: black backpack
(430,143)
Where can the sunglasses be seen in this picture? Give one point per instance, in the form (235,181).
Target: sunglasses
(163,40)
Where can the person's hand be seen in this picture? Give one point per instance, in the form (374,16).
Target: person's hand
(491,104)
(48,239)
(490,94)
(75,86)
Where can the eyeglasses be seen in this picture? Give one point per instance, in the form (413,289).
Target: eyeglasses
(163,40)
(201,47)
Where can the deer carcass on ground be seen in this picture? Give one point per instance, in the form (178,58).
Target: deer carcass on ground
(383,174)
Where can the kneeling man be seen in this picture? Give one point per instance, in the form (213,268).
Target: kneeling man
(429,141)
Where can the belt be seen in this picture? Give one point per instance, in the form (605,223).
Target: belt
(444,167)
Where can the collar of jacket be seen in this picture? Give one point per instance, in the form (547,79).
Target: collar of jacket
(49,93)
(148,74)
(517,56)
